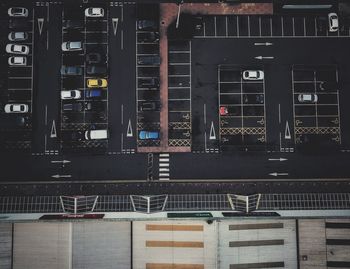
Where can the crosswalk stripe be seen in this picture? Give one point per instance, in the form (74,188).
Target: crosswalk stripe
(163,174)
(164,155)
(164,165)
(163,160)
(163,178)
(163,169)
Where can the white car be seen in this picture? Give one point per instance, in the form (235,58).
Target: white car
(307,98)
(17,60)
(17,49)
(72,46)
(17,36)
(333,22)
(16,108)
(253,75)
(73,94)
(17,12)
(94,12)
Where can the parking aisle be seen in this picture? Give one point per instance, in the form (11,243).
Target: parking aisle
(241,109)
(254,26)
(179,90)
(316,105)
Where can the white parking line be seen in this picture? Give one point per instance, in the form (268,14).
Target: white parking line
(304,26)
(178,64)
(96,43)
(215,25)
(226,26)
(316,27)
(270,26)
(237,25)
(19,77)
(178,51)
(32,69)
(178,99)
(259,26)
(282,22)
(248,25)
(204,29)
(293,27)
(174,76)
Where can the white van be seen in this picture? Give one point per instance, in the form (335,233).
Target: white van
(96,134)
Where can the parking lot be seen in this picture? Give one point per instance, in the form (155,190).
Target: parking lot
(18,86)
(318,120)
(90,111)
(233,26)
(241,107)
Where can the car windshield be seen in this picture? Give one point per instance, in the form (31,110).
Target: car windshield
(75,45)
(73,94)
(17,10)
(19,35)
(99,82)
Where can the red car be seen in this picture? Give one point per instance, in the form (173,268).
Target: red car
(223,111)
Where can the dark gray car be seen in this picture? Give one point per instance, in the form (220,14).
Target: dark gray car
(96,70)
(148,60)
(71,70)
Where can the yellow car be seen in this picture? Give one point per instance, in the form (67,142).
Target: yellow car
(97,83)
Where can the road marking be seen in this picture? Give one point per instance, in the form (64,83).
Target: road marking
(248,25)
(279,159)
(61,176)
(163,175)
(212,135)
(63,161)
(275,174)
(215,26)
(293,27)
(164,155)
(304,27)
(226,27)
(122,40)
(40,25)
(263,44)
(122,114)
(264,57)
(45,115)
(205,113)
(115,25)
(282,22)
(163,169)
(129,131)
(279,113)
(287,132)
(259,26)
(53,130)
(163,165)
(163,159)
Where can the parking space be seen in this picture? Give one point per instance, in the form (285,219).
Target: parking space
(147,83)
(234,26)
(84,71)
(316,105)
(241,107)
(17,87)
(179,90)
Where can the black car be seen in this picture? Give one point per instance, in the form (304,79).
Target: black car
(13,121)
(148,60)
(72,136)
(19,24)
(72,24)
(74,107)
(96,70)
(148,37)
(146,25)
(95,58)
(94,106)
(149,83)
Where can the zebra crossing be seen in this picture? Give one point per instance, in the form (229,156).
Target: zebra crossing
(164,166)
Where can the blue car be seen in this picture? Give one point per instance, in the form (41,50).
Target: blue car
(148,135)
(94,93)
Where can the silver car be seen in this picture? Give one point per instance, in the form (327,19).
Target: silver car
(72,46)
(17,60)
(17,36)
(17,49)
(307,98)
(16,108)
(17,12)
(94,12)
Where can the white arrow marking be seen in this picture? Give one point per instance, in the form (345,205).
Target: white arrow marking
(212,135)
(264,57)
(129,131)
(59,176)
(275,174)
(287,132)
(115,25)
(280,159)
(263,44)
(64,161)
(53,130)
(40,24)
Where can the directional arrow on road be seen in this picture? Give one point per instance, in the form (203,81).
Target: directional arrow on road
(115,25)
(280,159)
(263,44)
(287,132)
(63,161)
(264,57)
(40,24)
(275,174)
(61,176)
(129,131)
(212,135)
(53,130)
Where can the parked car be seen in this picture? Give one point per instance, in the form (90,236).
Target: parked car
(17,12)
(16,108)
(94,106)
(96,134)
(17,60)
(93,93)
(149,83)
(148,60)
(143,135)
(19,24)
(95,58)
(333,22)
(94,12)
(146,25)
(223,110)
(97,83)
(17,36)
(17,49)
(71,70)
(72,94)
(73,24)
(307,98)
(70,136)
(10,121)
(253,75)
(72,46)
(96,70)
(77,107)
(149,106)
(148,37)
